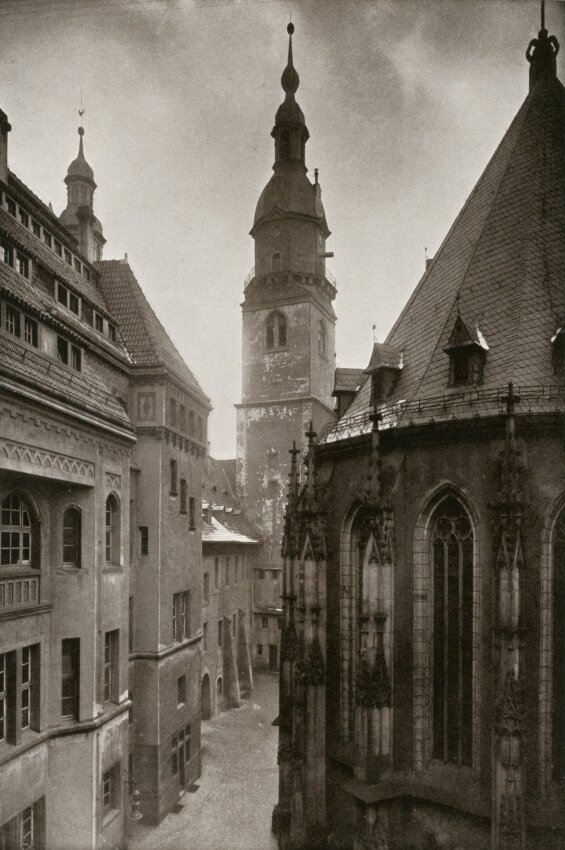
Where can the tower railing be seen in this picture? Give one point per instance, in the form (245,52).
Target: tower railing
(327,275)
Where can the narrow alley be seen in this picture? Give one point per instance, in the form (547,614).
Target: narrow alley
(231,810)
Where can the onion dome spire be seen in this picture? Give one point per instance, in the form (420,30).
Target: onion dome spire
(79,167)
(290,132)
(542,53)
(290,79)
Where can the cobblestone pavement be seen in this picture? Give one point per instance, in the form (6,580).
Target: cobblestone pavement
(238,787)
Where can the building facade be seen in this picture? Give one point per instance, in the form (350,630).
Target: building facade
(288,344)
(231,547)
(422,676)
(98,470)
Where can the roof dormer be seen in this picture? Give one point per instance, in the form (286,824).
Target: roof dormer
(467,350)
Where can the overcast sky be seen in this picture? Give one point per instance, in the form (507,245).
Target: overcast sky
(405,101)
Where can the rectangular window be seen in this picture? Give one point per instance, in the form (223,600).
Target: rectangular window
(22,264)
(58,248)
(227,571)
(236,570)
(86,272)
(181,690)
(36,229)
(76,358)
(183,495)
(30,331)
(111,789)
(74,303)
(26,687)
(174,755)
(173,417)
(259,649)
(204,636)
(47,238)
(216,573)
(70,677)
(192,513)
(111,666)
(68,258)
(143,540)
(13,321)
(63,350)
(181,615)
(112,332)
(182,418)
(220,633)
(98,323)
(264,622)
(130,624)
(11,206)
(62,295)
(25,831)
(206,588)
(7,253)
(279,623)
(78,265)
(174,478)
(24,218)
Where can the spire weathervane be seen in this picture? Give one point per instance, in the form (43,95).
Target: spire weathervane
(543,14)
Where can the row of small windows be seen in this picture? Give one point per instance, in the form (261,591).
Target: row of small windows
(18,212)
(19,527)
(19,325)
(276,333)
(191,423)
(14,258)
(231,574)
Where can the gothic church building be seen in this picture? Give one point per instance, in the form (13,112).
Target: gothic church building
(422,700)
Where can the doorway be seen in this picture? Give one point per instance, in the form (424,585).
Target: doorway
(273,656)
(205,705)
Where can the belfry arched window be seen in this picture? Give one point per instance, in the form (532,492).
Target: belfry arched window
(452,637)
(321,338)
(558,646)
(275,330)
(18,533)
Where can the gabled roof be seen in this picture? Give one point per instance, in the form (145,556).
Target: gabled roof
(502,265)
(347,380)
(146,339)
(224,519)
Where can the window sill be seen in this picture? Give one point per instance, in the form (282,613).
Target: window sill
(112,568)
(275,350)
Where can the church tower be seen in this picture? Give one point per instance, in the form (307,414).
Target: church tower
(78,216)
(288,325)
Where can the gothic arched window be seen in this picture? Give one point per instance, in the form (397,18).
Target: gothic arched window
(558,720)
(275,330)
(17,532)
(71,537)
(452,639)
(321,338)
(112,531)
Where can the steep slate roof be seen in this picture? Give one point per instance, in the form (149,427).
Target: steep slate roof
(502,265)
(347,380)
(146,339)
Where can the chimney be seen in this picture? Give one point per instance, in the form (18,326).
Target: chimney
(4,130)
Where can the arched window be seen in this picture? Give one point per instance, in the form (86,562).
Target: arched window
(276,330)
(452,639)
(112,531)
(17,545)
(71,537)
(276,265)
(321,339)
(558,645)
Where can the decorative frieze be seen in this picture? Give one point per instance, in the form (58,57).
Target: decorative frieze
(113,481)
(24,458)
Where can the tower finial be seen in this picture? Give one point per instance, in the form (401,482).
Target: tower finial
(290,79)
(543,14)
(542,52)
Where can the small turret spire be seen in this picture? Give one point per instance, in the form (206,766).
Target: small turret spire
(542,53)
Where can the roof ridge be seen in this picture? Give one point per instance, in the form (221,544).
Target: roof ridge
(522,115)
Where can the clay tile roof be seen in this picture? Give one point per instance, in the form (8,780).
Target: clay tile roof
(347,380)
(220,500)
(146,339)
(502,264)
(84,389)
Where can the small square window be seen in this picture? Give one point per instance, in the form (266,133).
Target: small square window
(58,248)
(181,690)
(22,264)
(86,272)
(264,622)
(7,253)
(68,257)
(259,649)
(112,332)
(48,239)
(24,218)
(62,295)
(78,265)
(13,321)
(98,322)
(111,789)
(36,228)
(11,206)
